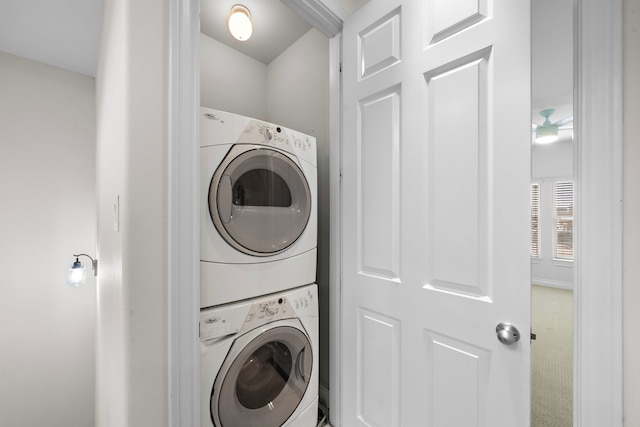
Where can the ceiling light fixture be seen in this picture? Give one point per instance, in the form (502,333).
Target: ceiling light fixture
(547,132)
(239,22)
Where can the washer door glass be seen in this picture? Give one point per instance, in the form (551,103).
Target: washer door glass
(259,200)
(265,382)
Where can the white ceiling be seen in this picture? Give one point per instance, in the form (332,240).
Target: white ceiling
(275,26)
(552,58)
(62,33)
(66,33)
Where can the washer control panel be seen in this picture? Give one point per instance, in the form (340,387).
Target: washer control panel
(222,321)
(233,318)
(266,311)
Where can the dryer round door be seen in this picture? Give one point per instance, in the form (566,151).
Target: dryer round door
(259,200)
(263,379)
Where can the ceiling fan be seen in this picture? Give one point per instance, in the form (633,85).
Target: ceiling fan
(547,132)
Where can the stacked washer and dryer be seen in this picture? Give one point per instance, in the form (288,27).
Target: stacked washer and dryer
(258,299)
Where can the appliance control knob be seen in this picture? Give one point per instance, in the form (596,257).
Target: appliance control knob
(267,135)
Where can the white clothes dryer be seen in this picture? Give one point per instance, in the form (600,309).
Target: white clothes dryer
(258,216)
(259,361)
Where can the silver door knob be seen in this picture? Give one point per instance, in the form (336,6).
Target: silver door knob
(507,333)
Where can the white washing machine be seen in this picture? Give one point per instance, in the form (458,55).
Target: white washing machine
(259,361)
(258,216)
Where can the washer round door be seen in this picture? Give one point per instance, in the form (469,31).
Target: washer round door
(263,379)
(259,200)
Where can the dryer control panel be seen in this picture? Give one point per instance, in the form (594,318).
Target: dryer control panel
(259,132)
(222,128)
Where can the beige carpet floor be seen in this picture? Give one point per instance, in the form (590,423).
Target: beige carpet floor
(552,357)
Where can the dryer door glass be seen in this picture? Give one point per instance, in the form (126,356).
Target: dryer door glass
(265,382)
(259,200)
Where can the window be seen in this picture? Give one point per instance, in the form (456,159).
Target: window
(535,220)
(563,220)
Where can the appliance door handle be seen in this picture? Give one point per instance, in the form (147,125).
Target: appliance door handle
(225,199)
(300,364)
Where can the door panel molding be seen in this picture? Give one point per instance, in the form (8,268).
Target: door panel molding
(451,361)
(379,179)
(378,369)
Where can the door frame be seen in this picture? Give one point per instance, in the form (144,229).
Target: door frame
(183,203)
(598,238)
(598,385)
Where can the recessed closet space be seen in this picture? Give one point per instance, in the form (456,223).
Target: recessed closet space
(280,75)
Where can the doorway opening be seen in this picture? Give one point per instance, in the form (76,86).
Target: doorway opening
(552,185)
(279,75)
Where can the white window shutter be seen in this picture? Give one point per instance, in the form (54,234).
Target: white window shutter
(563,220)
(535,220)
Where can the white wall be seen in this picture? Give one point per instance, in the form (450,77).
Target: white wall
(231,81)
(552,57)
(550,163)
(552,160)
(298,97)
(47,183)
(132,320)
(631,272)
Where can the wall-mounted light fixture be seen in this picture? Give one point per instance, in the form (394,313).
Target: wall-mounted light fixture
(239,22)
(77,274)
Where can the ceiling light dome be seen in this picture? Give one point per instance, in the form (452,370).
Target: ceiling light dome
(547,132)
(240,22)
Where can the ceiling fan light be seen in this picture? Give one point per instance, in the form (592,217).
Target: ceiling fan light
(546,134)
(240,25)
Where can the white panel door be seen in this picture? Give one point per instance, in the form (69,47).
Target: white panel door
(436,175)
